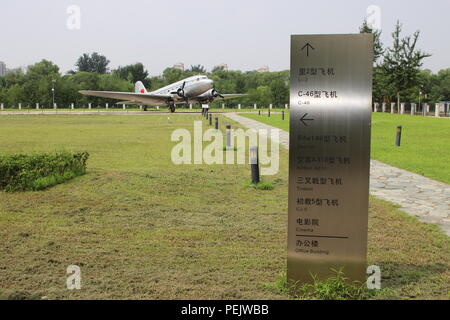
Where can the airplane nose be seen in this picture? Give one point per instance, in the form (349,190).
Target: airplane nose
(210,83)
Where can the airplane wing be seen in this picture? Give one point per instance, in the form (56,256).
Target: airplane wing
(143,98)
(126,102)
(232,95)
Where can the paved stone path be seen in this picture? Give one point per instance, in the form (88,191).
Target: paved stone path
(418,196)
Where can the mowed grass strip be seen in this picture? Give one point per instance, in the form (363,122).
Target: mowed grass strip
(425,141)
(141,227)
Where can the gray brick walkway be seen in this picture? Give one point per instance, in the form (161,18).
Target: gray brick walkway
(416,195)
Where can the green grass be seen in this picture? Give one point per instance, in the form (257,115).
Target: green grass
(140,227)
(336,287)
(262,185)
(425,144)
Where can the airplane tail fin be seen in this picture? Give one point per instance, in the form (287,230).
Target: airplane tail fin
(139,87)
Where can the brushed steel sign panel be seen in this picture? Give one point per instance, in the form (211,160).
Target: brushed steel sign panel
(329,155)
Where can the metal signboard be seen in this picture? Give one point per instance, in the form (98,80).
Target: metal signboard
(329,155)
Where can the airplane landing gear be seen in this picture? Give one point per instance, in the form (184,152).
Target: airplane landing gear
(172,108)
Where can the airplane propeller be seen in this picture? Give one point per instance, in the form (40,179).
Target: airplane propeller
(216,93)
(180,91)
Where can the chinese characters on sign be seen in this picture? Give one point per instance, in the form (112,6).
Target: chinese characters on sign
(329,155)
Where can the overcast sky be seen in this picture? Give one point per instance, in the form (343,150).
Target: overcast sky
(245,34)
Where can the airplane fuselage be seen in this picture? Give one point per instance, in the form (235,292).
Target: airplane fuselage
(198,88)
(193,86)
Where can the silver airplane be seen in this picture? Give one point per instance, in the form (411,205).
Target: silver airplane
(193,89)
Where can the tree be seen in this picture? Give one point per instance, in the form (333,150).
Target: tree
(171,75)
(377,44)
(402,61)
(15,76)
(197,69)
(442,87)
(280,92)
(93,81)
(37,84)
(14,95)
(382,89)
(92,63)
(133,73)
(262,96)
(218,68)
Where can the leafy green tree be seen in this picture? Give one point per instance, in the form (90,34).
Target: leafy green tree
(197,69)
(3,93)
(441,89)
(133,73)
(14,95)
(262,96)
(218,68)
(280,92)
(383,89)
(14,77)
(66,91)
(92,63)
(37,86)
(171,75)
(86,80)
(377,44)
(402,61)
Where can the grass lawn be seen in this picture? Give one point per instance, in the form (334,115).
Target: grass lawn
(425,144)
(141,227)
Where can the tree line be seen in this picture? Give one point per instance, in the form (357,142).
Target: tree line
(397,76)
(92,73)
(397,73)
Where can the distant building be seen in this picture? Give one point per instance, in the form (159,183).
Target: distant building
(179,66)
(3,69)
(263,69)
(222,66)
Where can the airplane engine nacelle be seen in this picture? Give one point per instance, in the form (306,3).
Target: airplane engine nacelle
(211,94)
(214,93)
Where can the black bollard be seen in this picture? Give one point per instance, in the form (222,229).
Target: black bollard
(268,114)
(228,132)
(259,112)
(254,164)
(282,115)
(210,119)
(217,124)
(399,136)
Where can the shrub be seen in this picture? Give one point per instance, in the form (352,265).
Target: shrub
(23,172)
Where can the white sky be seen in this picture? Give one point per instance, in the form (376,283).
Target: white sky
(245,34)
